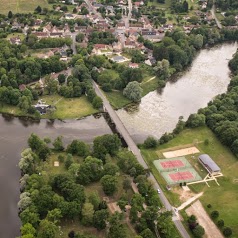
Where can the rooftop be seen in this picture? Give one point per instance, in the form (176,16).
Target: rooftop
(207,160)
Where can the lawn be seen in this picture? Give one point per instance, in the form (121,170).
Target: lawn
(116,99)
(68,108)
(20,35)
(21,6)
(11,110)
(160,5)
(223,198)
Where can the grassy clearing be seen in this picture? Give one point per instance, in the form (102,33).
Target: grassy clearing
(223,198)
(14,110)
(21,6)
(20,35)
(117,99)
(68,108)
(160,5)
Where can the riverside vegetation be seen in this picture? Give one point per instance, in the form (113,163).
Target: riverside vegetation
(68,199)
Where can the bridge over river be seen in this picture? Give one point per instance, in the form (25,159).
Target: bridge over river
(134,149)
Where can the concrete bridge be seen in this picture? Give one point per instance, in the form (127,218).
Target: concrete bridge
(134,149)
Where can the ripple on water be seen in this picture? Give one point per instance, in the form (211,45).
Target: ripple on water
(158,113)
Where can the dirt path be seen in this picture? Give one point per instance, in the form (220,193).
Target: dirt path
(189,201)
(204,220)
(148,80)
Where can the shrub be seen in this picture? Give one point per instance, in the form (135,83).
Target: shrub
(209,205)
(227,232)
(206,142)
(214,214)
(198,231)
(220,223)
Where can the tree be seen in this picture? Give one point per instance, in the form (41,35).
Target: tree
(94,199)
(214,214)
(147,233)
(133,91)
(29,215)
(111,169)
(195,120)
(61,78)
(97,102)
(26,163)
(28,229)
(150,142)
(24,103)
(138,201)
(227,231)
(79,37)
(10,15)
(87,213)
(47,229)
(58,144)
(100,218)
(126,184)
(109,184)
(106,144)
(38,9)
(220,223)
(54,215)
(198,231)
(162,69)
(35,142)
(78,147)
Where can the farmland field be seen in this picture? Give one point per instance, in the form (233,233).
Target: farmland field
(21,6)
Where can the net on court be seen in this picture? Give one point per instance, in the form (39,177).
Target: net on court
(181,176)
(171,164)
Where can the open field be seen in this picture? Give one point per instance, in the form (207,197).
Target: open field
(116,99)
(68,108)
(21,6)
(223,198)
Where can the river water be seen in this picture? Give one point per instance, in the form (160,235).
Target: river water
(157,113)
(13,138)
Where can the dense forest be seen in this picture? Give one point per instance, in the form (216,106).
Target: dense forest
(50,197)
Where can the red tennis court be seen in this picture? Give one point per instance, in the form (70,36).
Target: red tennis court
(178,176)
(172,164)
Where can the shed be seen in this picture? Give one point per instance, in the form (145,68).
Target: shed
(209,164)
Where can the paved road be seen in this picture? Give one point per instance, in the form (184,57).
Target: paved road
(213,10)
(133,147)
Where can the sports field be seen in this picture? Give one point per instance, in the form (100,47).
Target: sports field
(21,6)
(176,170)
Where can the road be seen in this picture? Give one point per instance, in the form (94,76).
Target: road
(73,46)
(133,147)
(213,10)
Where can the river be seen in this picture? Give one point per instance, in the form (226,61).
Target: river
(157,113)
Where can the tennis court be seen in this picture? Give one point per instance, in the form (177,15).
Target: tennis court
(181,176)
(171,164)
(176,170)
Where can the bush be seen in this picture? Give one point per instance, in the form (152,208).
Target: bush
(220,223)
(206,142)
(209,205)
(227,232)
(214,214)
(150,142)
(198,231)
(61,158)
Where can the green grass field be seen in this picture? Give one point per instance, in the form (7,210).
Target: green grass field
(21,6)
(68,108)
(223,198)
